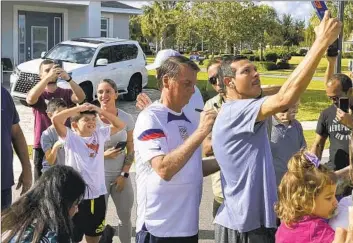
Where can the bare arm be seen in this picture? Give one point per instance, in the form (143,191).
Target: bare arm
(78,95)
(20,146)
(60,119)
(330,69)
(129,159)
(318,145)
(168,165)
(116,124)
(299,80)
(50,154)
(343,173)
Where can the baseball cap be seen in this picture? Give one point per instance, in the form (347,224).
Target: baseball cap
(161,56)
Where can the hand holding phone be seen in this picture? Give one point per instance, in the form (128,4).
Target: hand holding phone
(120,145)
(343,104)
(320,7)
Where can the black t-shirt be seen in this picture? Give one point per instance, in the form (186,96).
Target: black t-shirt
(338,134)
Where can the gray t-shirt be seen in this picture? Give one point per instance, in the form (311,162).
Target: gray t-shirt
(48,139)
(286,140)
(114,166)
(242,149)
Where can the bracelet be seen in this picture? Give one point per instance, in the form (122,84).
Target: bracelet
(69,79)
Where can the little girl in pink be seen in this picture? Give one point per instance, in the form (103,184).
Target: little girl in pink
(306,200)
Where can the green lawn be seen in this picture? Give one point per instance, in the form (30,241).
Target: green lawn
(310,138)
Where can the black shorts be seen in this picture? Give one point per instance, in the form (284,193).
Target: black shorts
(90,218)
(143,236)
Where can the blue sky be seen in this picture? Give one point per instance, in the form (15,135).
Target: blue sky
(298,9)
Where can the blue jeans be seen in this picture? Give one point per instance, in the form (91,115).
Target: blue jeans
(6,198)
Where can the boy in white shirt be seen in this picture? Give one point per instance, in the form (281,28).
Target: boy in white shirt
(84,149)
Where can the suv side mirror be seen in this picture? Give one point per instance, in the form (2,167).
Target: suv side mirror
(102,62)
(43,54)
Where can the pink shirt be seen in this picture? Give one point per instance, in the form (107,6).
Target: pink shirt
(41,120)
(309,230)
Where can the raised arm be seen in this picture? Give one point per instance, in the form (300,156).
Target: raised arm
(78,95)
(327,32)
(168,165)
(34,94)
(330,69)
(116,124)
(318,145)
(60,118)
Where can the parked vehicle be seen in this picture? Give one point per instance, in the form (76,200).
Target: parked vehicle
(89,60)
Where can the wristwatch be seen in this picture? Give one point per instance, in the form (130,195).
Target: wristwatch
(125,174)
(69,79)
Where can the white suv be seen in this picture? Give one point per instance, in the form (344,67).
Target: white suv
(88,61)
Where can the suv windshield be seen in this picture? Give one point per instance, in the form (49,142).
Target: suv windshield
(70,53)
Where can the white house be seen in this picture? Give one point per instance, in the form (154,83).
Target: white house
(31,27)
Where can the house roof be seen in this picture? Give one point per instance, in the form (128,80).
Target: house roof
(117,7)
(115,4)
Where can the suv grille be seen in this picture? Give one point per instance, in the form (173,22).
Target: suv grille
(26,82)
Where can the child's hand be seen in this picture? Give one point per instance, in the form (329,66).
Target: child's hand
(58,144)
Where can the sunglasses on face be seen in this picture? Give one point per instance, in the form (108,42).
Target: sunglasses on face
(212,80)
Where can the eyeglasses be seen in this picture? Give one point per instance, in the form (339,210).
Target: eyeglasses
(212,80)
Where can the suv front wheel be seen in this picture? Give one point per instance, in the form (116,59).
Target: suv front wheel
(134,88)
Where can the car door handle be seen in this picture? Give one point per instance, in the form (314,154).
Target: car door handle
(130,65)
(112,69)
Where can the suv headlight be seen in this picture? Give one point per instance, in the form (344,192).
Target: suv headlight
(16,71)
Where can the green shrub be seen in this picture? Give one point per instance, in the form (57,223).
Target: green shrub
(347,55)
(283,65)
(266,66)
(246,51)
(302,52)
(271,56)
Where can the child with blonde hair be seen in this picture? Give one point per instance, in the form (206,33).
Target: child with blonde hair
(306,200)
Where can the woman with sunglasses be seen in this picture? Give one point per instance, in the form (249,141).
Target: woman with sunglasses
(44,213)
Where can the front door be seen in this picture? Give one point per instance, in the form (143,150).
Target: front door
(38,32)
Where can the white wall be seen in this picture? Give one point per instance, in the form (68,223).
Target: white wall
(121,26)
(77,22)
(6,29)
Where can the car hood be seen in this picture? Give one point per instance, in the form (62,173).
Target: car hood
(33,66)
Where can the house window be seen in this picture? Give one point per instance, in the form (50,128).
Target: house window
(104,27)
(21,38)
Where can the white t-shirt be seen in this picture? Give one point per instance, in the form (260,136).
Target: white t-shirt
(86,155)
(167,208)
(341,219)
(196,101)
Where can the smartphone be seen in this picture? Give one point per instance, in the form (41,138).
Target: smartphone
(320,7)
(120,145)
(59,63)
(343,104)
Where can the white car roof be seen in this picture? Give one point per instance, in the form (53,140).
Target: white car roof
(94,42)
